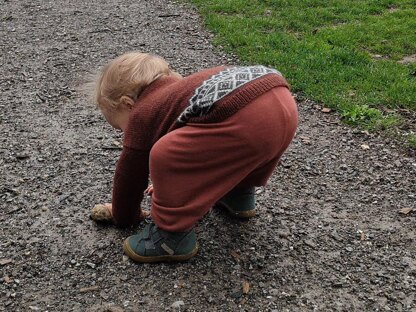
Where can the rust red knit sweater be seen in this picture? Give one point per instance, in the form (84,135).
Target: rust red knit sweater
(155,114)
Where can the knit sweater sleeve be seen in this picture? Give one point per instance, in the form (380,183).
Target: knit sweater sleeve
(130,181)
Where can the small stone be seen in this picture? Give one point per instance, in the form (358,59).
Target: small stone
(283,233)
(5,261)
(237,294)
(349,249)
(91,265)
(336,236)
(177,304)
(309,243)
(22,156)
(397,163)
(104,295)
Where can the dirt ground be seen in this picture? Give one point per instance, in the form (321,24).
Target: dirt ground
(332,232)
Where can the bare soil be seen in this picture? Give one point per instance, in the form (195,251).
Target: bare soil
(332,232)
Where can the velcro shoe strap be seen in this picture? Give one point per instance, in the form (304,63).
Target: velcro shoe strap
(166,248)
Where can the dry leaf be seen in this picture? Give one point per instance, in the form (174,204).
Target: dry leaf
(7,279)
(406,210)
(362,236)
(325,110)
(235,255)
(246,287)
(365,147)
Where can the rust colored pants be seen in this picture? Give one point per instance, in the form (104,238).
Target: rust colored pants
(194,166)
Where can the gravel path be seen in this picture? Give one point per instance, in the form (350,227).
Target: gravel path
(329,235)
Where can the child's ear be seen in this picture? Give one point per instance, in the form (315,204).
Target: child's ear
(127,102)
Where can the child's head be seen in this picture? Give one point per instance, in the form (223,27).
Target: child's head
(128,75)
(123,79)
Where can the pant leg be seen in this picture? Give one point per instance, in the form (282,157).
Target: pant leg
(194,166)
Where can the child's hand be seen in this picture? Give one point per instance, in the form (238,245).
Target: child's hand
(149,190)
(102,213)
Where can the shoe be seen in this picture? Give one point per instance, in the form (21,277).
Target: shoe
(156,245)
(240,202)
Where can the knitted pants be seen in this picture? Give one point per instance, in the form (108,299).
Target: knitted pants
(194,166)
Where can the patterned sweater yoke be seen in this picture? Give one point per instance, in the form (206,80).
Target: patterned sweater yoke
(208,96)
(219,86)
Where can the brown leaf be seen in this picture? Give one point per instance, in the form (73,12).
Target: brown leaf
(246,287)
(235,255)
(362,236)
(325,110)
(5,261)
(406,210)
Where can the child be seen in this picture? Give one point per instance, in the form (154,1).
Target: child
(206,139)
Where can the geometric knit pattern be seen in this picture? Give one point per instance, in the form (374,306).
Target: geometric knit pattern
(220,85)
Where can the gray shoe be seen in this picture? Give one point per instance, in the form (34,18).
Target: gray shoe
(240,202)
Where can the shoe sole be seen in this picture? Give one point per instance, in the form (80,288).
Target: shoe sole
(239,214)
(151,259)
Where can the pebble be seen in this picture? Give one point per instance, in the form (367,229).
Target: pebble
(309,243)
(91,265)
(177,304)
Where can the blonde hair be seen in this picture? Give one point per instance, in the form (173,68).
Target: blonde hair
(128,75)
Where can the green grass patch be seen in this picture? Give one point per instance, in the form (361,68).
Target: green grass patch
(412,141)
(344,54)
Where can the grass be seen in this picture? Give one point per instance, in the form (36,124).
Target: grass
(344,54)
(412,141)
